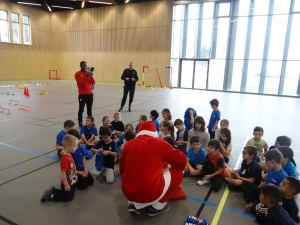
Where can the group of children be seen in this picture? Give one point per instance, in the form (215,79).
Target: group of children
(267,176)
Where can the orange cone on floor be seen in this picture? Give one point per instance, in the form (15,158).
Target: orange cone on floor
(27,92)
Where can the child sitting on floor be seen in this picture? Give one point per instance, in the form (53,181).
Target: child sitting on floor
(225,144)
(251,169)
(89,133)
(213,166)
(106,123)
(68,125)
(182,135)
(107,151)
(128,127)
(129,135)
(68,173)
(258,142)
(166,129)
(85,178)
(153,116)
(289,187)
(142,119)
(271,196)
(166,114)
(288,163)
(117,124)
(195,157)
(223,124)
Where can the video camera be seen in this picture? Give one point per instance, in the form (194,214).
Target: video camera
(88,70)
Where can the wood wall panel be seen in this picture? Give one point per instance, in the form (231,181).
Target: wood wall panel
(108,38)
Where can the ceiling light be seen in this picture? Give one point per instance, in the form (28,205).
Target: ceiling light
(49,8)
(63,7)
(107,3)
(82,4)
(127,1)
(26,3)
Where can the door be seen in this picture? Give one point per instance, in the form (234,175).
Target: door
(194,73)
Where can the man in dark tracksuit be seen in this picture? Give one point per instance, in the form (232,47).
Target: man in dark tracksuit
(130,77)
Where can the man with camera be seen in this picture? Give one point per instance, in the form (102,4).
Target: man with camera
(130,77)
(85,81)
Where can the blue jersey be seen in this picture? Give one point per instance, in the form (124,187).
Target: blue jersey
(275,177)
(291,170)
(121,138)
(77,157)
(59,139)
(252,170)
(196,158)
(156,122)
(215,115)
(88,132)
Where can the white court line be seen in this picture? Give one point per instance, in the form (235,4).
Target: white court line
(238,162)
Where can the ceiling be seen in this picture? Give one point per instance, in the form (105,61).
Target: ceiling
(73,4)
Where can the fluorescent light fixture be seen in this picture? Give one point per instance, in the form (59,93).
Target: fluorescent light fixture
(27,3)
(63,7)
(82,4)
(49,8)
(127,1)
(107,3)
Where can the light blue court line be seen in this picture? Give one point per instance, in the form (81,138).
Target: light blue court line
(202,201)
(37,163)
(17,171)
(240,212)
(44,132)
(29,151)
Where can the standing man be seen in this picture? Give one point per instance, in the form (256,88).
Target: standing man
(130,77)
(84,81)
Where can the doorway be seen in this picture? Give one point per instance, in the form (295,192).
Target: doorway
(193,73)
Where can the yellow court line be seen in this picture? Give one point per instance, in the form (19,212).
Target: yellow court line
(220,207)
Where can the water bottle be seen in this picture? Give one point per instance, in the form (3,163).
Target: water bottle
(192,220)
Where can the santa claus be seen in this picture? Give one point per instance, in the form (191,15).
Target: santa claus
(151,172)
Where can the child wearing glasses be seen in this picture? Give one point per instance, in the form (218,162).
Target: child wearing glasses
(250,170)
(289,187)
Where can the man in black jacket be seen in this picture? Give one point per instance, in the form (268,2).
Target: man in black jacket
(130,77)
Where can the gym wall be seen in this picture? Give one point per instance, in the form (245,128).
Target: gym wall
(21,62)
(108,38)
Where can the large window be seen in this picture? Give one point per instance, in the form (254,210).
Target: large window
(26,30)
(15,28)
(251,45)
(4,34)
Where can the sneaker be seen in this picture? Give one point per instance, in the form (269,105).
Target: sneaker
(153,212)
(129,109)
(95,172)
(120,109)
(133,210)
(202,182)
(195,220)
(47,194)
(101,175)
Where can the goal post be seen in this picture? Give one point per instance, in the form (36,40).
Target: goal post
(167,70)
(53,75)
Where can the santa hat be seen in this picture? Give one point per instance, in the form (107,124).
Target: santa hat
(147,128)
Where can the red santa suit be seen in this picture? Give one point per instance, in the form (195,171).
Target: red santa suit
(145,179)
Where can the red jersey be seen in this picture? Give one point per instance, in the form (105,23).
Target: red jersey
(214,161)
(84,83)
(67,164)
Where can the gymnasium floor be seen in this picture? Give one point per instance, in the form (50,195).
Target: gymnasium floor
(28,162)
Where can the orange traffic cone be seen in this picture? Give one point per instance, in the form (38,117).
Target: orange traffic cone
(27,92)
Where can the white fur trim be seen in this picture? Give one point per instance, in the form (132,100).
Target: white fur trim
(147,132)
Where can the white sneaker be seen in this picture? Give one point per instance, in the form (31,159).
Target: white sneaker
(202,182)
(95,172)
